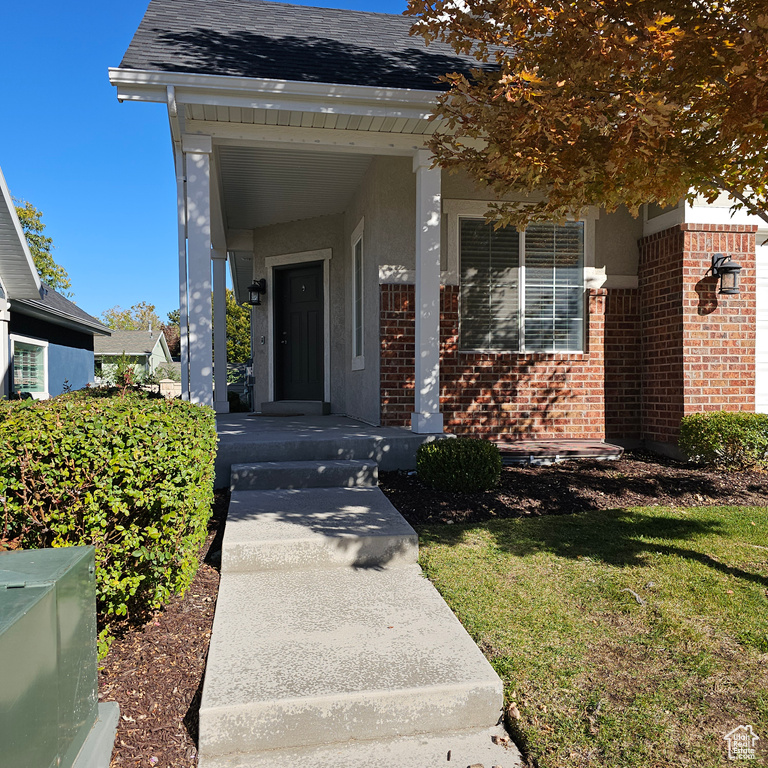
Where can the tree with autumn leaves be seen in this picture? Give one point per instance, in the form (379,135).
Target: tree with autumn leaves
(605,102)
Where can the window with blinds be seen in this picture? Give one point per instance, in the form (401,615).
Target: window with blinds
(28,367)
(522,291)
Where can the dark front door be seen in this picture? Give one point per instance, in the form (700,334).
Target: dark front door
(299,332)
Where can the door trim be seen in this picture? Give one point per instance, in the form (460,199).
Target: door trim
(290,259)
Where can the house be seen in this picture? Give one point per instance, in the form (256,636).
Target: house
(147,352)
(46,341)
(298,138)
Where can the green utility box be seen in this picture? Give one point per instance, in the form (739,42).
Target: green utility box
(49,711)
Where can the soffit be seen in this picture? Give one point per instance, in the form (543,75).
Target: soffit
(298,119)
(261,187)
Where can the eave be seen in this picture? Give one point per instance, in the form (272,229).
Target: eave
(33,309)
(262,93)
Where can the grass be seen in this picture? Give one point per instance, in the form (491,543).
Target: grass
(600,679)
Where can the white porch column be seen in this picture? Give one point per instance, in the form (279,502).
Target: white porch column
(197,150)
(181,204)
(220,402)
(427,417)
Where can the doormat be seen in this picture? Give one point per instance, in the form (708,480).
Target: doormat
(270,415)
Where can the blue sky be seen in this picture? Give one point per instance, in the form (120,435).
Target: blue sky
(101,172)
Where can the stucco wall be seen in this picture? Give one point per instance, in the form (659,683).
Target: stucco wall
(296,237)
(616,234)
(363,385)
(616,237)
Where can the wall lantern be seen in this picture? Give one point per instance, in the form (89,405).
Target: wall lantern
(728,271)
(255,291)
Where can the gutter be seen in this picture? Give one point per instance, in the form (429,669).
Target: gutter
(265,93)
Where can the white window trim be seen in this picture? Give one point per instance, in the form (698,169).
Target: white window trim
(358,361)
(14,338)
(476,209)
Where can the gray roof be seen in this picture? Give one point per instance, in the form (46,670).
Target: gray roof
(17,270)
(130,342)
(53,307)
(254,38)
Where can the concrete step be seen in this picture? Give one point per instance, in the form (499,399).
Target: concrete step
(296,407)
(465,748)
(310,657)
(245,439)
(265,475)
(315,528)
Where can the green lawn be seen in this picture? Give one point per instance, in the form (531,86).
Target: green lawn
(598,678)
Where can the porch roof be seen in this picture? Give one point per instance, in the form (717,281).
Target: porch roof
(258,39)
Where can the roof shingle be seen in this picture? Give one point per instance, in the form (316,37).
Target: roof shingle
(128,342)
(258,39)
(54,304)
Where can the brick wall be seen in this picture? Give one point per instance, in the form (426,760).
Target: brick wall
(660,280)
(623,364)
(505,395)
(653,354)
(698,347)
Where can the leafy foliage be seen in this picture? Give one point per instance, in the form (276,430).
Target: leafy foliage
(129,474)
(41,248)
(238,330)
(167,372)
(728,439)
(139,317)
(462,464)
(605,103)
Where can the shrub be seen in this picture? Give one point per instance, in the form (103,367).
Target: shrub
(461,464)
(131,475)
(727,439)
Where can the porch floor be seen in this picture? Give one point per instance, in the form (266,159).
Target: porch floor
(246,438)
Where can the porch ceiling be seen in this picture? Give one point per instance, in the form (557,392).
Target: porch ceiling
(270,186)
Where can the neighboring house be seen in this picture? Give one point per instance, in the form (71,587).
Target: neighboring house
(146,351)
(299,135)
(46,341)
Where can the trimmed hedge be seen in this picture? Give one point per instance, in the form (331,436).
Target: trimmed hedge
(727,439)
(460,464)
(131,475)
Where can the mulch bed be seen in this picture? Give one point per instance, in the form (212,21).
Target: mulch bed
(155,671)
(635,480)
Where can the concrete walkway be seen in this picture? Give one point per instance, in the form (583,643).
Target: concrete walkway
(329,646)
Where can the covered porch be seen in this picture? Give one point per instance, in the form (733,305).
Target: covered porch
(286,198)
